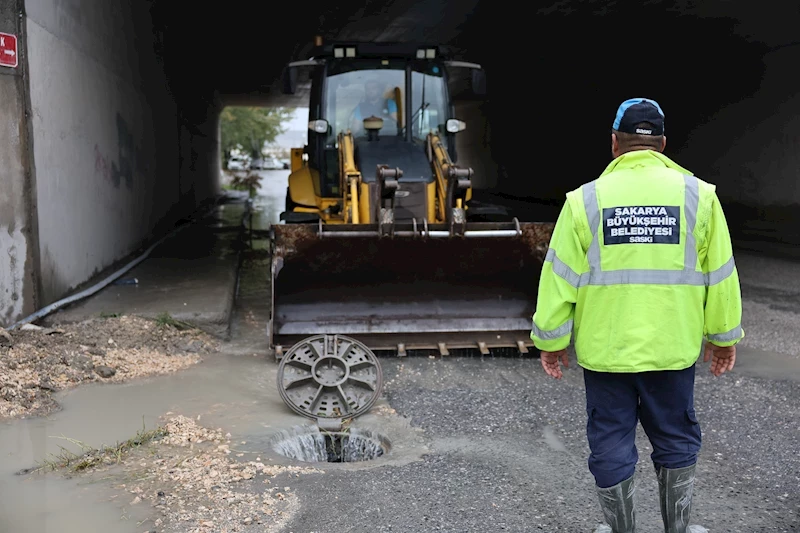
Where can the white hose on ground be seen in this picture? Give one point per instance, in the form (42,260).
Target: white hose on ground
(107,281)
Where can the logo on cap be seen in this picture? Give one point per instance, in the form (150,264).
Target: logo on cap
(637,112)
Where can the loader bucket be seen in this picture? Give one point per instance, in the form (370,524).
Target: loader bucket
(419,289)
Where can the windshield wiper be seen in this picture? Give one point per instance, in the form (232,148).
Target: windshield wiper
(423,106)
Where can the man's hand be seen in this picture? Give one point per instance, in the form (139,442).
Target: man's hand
(722,358)
(550,362)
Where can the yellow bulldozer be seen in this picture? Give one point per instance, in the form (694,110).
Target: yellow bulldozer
(381,241)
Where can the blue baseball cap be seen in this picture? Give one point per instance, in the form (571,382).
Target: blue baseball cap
(636,111)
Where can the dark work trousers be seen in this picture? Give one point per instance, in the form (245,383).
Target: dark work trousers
(662,400)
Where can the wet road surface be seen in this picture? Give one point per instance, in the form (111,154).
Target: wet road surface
(482,443)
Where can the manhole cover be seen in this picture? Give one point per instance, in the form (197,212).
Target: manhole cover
(311,445)
(330,377)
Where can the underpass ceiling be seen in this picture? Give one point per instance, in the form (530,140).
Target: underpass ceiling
(239,50)
(558,69)
(772,23)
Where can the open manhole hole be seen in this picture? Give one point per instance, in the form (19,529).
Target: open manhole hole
(331,379)
(312,445)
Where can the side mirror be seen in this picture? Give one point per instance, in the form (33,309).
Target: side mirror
(318,126)
(289,79)
(479,82)
(454,125)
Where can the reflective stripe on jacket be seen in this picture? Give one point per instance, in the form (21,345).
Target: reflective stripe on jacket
(639,270)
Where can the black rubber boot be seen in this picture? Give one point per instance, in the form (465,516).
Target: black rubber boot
(618,507)
(675,487)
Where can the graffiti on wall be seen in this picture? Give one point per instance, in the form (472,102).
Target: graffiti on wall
(101,165)
(125,154)
(130,158)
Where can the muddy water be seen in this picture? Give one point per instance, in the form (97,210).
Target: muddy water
(235,390)
(231,391)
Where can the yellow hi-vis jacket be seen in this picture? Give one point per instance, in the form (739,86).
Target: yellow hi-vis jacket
(640,269)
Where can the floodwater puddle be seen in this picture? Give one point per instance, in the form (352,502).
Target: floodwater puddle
(236,393)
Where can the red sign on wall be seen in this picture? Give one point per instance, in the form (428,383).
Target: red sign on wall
(8,50)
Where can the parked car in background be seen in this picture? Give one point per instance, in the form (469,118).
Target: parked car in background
(272,163)
(257,164)
(237,163)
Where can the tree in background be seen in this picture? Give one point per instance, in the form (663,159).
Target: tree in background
(249,128)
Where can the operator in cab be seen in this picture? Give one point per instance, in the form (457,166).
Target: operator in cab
(374,104)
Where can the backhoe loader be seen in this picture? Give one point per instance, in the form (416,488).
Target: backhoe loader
(381,240)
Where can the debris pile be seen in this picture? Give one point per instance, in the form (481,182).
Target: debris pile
(36,361)
(198,482)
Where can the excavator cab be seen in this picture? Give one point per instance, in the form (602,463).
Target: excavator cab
(370,106)
(379,240)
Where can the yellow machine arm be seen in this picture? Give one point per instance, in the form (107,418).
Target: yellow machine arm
(453,184)
(351,178)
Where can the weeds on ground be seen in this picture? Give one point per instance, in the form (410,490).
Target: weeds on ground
(90,457)
(251,182)
(105,314)
(165,320)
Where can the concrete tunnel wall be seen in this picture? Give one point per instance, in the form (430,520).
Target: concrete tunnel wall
(104,136)
(17,215)
(99,155)
(199,159)
(757,165)
(732,107)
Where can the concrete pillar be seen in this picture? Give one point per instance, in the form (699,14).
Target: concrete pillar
(199,159)
(18,229)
